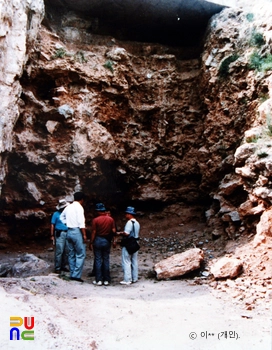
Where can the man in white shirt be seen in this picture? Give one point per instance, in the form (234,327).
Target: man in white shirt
(73,217)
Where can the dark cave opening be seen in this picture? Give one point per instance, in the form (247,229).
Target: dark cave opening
(42,86)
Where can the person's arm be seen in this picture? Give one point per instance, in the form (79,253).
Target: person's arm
(122,233)
(92,239)
(83,231)
(93,234)
(113,230)
(52,233)
(81,221)
(126,231)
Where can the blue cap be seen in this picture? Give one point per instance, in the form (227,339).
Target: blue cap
(130,210)
(100,207)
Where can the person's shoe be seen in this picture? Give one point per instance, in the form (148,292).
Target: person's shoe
(135,281)
(125,283)
(57,271)
(106,283)
(76,279)
(99,283)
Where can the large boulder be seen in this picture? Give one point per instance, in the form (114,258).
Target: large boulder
(227,268)
(179,264)
(29,265)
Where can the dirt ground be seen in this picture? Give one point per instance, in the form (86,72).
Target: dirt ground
(184,313)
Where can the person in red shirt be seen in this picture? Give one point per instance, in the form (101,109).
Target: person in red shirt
(103,229)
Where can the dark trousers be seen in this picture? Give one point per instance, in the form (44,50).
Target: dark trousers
(102,259)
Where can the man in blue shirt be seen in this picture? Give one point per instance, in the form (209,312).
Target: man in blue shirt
(58,237)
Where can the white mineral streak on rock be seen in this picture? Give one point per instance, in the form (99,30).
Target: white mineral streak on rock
(19,23)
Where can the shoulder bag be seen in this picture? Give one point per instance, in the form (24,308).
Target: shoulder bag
(131,243)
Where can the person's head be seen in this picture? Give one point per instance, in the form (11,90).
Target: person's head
(79,196)
(100,209)
(130,212)
(62,204)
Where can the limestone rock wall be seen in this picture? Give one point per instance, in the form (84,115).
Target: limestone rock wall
(19,22)
(134,123)
(121,121)
(236,85)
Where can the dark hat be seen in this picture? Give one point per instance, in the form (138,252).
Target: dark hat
(130,210)
(100,207)
(62,204)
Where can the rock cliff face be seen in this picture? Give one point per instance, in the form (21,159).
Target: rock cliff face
(118,123)
(236,85)
(19,26)
(139,123)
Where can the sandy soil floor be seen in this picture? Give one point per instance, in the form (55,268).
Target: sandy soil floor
(151,314)
(185,313)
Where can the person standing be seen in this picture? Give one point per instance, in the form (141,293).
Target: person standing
(73,217)
(130,261)
(58,236)
(103,229)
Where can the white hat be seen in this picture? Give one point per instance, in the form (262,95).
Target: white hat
(62,204)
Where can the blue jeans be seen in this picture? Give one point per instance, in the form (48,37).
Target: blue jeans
(61,251)
(102,259)
(130,266)
(77,252)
